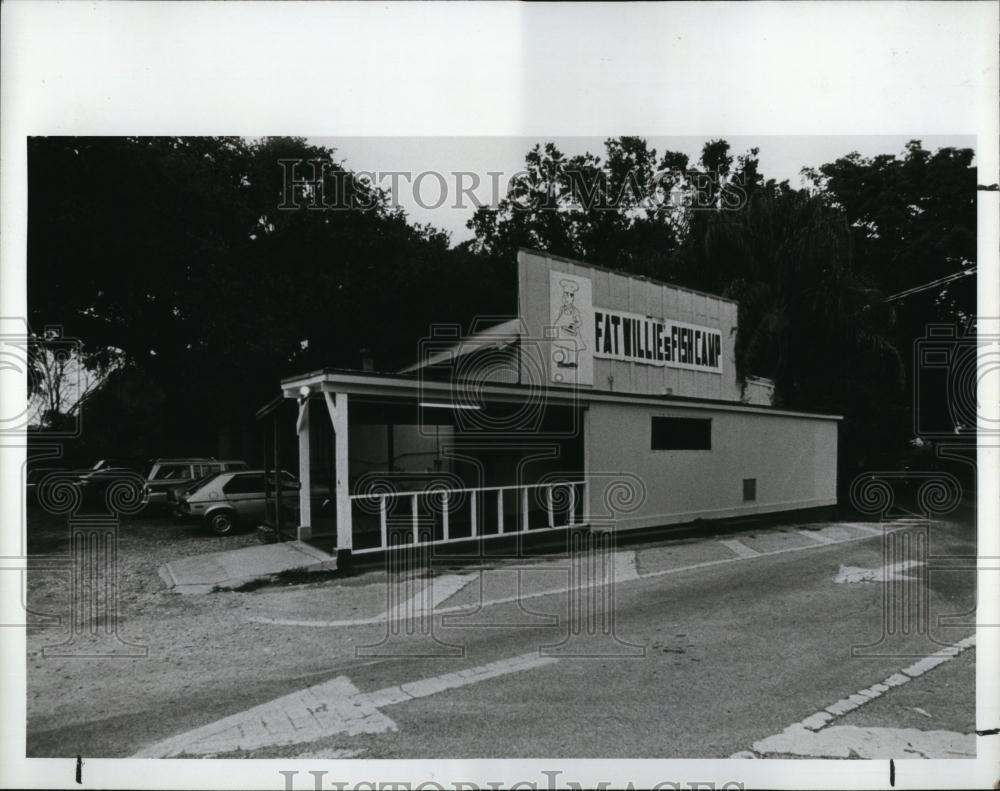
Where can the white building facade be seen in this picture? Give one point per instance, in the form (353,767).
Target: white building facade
(611,402)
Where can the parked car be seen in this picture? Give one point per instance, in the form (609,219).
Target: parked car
(121,464)
(167,474)
(232,500)
(91,482)
(175,493)
(35,476)
(95,482)
(108,467)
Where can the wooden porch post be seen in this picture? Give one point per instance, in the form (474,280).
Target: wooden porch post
(265,450)
(279,522)
(304,528)
(336,404)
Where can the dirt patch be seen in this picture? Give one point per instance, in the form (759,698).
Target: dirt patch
(141,544)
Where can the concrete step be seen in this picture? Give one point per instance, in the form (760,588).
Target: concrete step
(236,567)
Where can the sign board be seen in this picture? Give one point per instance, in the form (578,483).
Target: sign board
(640,339)
(579,332)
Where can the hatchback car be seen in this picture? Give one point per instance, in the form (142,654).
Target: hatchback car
(232,500)
(167,474)
(175,493)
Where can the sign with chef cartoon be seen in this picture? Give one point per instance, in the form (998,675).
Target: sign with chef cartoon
(572,318)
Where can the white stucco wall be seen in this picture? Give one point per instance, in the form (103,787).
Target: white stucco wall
(794,460)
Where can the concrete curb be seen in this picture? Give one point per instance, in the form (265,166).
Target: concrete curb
(237,567)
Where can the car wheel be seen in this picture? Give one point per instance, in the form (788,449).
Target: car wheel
(222,523)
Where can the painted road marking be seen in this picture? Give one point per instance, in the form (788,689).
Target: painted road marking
(741,549)
(625,567)
(849,741)
(441,588)
(798,738)
(817,537)
(890,573)
(381,619)
(875,531)
(328,754)
(336,706)
(434,592)
(333,707)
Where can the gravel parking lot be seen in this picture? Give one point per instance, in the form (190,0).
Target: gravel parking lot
(144,543)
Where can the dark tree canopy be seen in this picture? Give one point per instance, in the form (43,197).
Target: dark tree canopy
(176,252)
(584,207)
(182,266)
(913,219)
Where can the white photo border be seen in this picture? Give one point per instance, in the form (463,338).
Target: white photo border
(329,69)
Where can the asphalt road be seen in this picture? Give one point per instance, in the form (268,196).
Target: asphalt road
(701,648)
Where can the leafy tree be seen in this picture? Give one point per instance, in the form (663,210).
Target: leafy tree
(913,221)
(193,257)
(719,188)
(124,419)
(807,318)
(805,314)
(601,211)
(63,376)
(192,270)
(913,218)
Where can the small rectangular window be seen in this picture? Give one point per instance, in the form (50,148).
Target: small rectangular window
(749,490)
(681,433)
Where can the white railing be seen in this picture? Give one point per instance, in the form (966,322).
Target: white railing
(574,492)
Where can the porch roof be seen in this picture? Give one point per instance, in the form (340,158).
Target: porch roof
(413,385)
(497,336)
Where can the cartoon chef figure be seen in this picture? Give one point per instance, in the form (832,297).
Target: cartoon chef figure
(568,340)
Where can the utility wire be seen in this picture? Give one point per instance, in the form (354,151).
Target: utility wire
(939,282)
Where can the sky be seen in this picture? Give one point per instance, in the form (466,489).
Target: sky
(780,158)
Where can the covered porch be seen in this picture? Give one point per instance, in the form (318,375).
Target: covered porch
(393,460)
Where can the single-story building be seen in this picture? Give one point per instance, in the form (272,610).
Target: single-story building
(610,400)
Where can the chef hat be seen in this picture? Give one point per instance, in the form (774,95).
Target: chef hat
(569,286)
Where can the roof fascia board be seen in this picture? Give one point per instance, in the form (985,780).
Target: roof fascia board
(391,385)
